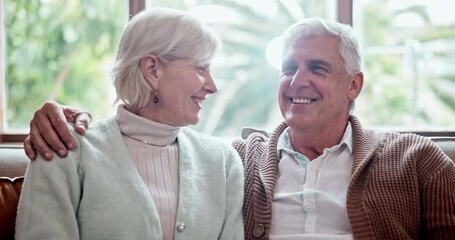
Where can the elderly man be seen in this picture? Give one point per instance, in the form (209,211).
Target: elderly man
(320,174)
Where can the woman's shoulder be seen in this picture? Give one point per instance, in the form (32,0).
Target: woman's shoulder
(216,153)
(102,127)
(204,143)
(101,138)
(202,138)
(102,132)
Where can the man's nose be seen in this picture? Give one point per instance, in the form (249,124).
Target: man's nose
(301,78)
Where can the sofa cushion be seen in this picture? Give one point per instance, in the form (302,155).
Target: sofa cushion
(10,189)
(447,145)
(13,161)
(13,164)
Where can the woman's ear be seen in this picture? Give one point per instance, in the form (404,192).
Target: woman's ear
(150,66)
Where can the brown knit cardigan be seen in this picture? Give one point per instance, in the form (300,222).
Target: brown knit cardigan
(402,185)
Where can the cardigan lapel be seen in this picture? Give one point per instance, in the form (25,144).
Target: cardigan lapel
(268,169)
(126,163)
(365,145)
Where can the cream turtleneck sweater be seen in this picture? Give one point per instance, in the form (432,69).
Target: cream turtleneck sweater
(156,161)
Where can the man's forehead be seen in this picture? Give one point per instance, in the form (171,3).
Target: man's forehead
(313,47)
(321,40)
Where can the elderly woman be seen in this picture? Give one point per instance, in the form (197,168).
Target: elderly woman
(142,174)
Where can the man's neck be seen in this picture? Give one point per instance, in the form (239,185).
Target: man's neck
(312,142)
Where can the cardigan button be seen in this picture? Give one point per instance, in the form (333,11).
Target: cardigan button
(258,230)
(181,227)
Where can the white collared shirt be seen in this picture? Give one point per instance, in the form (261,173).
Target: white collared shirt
(310,196)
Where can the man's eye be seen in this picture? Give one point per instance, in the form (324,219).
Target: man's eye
(288,70)
(317,69)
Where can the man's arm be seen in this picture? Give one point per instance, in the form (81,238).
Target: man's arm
(49,132)
(438,198)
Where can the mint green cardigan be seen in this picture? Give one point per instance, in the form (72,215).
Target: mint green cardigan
(97,193)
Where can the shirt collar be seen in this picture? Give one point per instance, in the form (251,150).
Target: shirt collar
(284,143)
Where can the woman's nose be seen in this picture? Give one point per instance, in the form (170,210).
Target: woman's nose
(210,85)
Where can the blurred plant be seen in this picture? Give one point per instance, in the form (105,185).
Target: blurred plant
(59,50)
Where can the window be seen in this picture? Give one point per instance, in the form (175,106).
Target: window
(247,84)
(62,50)
(58,50)
(409,54)
(68,66)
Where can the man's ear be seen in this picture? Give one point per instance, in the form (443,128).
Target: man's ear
(150,68)
(356,86)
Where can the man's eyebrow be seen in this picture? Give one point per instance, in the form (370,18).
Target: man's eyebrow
(287,62)
(291,62)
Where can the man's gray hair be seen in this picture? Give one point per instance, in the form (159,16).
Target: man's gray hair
(314,27)
(169,35)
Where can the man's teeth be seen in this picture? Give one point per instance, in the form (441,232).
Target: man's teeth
(301,100)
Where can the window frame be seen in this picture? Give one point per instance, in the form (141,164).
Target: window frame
(2,72)
(135,6)
(344,15)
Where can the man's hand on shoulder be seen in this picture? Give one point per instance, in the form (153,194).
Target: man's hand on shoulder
(49,132)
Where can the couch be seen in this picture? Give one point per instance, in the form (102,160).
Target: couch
(13,163)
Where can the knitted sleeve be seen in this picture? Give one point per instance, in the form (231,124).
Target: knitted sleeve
(50,199)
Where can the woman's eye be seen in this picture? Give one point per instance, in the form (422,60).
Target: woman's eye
(202,69)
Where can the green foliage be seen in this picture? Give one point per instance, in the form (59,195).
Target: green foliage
(408,81)
(436,33)
(58,50)
(376,21)
(62,50)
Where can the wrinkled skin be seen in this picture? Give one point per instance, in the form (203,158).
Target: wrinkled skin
(49,131)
